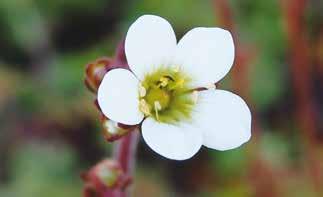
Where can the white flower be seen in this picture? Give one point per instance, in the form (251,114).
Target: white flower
(161,93)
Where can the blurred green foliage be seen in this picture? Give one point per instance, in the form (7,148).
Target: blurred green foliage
(43,170)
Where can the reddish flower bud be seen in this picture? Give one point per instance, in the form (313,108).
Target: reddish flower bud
(113,131)
(95,72)
(105,177)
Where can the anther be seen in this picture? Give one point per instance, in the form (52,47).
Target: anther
(157,108)
(142,91)
(163,81)
(144,107)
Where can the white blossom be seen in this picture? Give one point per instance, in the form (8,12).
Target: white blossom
(161,91)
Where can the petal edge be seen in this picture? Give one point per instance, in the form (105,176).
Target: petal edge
(178,142)
(206,53)
(224,118)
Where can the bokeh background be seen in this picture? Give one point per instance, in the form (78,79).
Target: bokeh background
(50,130)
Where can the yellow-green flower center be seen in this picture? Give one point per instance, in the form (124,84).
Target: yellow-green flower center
(166,95)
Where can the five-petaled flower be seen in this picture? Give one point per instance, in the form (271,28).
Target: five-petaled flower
(170,90)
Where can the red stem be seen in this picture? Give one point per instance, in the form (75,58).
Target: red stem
(125,150)
(125,154)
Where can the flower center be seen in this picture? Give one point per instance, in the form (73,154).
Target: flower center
(166,95)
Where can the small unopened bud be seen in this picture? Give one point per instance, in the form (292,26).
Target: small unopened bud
(109,174)
(95,72)
(105,176)
(113,131)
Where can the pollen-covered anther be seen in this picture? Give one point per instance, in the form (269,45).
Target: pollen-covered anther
(158,107)
(142,91)
(144,107)
(164,81)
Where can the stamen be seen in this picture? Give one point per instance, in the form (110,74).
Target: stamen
(157,108)
(142,91)
(157,105)
(144,107)
(164,81)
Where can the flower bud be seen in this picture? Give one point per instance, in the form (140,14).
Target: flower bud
(95,72)
(112,130)
(106,176)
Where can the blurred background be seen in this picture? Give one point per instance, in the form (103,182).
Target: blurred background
(50,130)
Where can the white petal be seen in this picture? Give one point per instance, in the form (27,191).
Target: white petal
(224,119)
(118,97)
(206,53)
(178,142)
(150,42)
